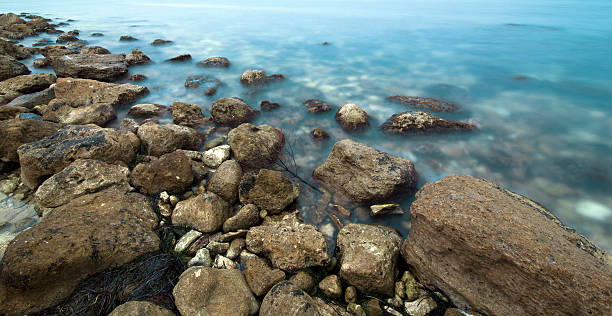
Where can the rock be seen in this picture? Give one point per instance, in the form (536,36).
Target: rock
(289,243)
(137,77)
(384,209)
(205,212)
(214,142)
(205,81)
(215,156)
(33,99)
(170,172)
(256,146)
(8,112)
(246,217)
(253,77)
(83,176)
(140,308)
(411,287)
(51,154)
(160,42)
(225,181)
(186,240)
(462,226)
(288,300)
(458,312)
(26,84)
(208,291)
(41,63)
(424,103)
(235,248)
(304,281)
(416,122)
(215,62)
(331,286)
(127,38)
(267,105)
(352,117)
(261,277)
(67,37)
(362,173)
(217,248)
(10,67)
(222,262)
(316,106)
(270,190)
(148,110)
(161,139)
(184,57)
(103,67)
(56,51)
(420,307)
(201,259)
(231,111)
(44,264)
(94,50)
(137,57)
(319,134)
(350,295)
(16,132)
(97,34)
(15,51)
(188,114)
(368,256)
(61,111)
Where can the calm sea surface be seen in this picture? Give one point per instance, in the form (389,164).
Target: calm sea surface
(535,76)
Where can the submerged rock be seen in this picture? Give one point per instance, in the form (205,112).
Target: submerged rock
(137,57)
(267,105)
(162,139)
(316,106)
(256,146)
(231,111)
(127,38)
(16,132)
(352,117)
(103,67)
(319,134)
(270,190)
(179,58)
(10,67)
(205,212)
(137,77)
(215,62)
(463,226)
(160,42)
(170,172)
(363,174)
(414,122)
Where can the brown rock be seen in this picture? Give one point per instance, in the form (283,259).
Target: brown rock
(140,308)
(205,212)
(319,134)
(148,110)
(225,181)
(316,106)
(8,112)
(246,217)
(188,114)
(10,67)
(33,99)
(103,67)
(362,173)
(94,50)
(331,286)
(424,103)
(288,300)
(170,172)
(256,146)
(16,132)
(500,253)
(267,105)
(270,190)
(161,139)
(127,38)
(253,77)
(231,111)
(64,112)
(27,83)
(137,57)
(352,117)
(183,57)
(304,281)
(416,122)
(160,42)
(16,51)
(84,92)
(137,77)
(215,62)
(261,277)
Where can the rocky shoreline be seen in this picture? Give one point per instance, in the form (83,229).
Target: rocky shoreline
(163,219)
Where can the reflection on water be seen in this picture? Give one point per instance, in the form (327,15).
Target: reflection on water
(534,76)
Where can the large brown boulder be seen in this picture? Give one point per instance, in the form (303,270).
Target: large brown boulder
(289,243)
(162,139)
(205,212)
(16,132)
(416,122)
(65,112)
(33,99)
(500,253)
(231,111)
(363,174)
(367,255)
(15,51)
(43,264)
(187,114)
(10,67)
(103,67)
(270,190)
(287,299)
(224,182)
(256,146)
(137,57)
(51,154)
(204,291)
(140,308)
(170,172)
(17,86)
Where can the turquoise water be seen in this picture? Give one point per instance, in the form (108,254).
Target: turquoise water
(547,136)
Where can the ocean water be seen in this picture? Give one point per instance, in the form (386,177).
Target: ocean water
(534,76)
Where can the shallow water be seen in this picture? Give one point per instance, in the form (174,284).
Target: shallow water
(546,136)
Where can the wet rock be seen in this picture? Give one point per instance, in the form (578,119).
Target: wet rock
(94,50)
(215,156)
(205,212)
(27,83)
(214,142)
(161,139)
(42,42)
(319,134)
(10,67)
(352,117)
(67,37)
(316,106)
(33,99)
(41,63)
(160,42)
(458,312)
(261,277)
(16,51)
(105,67)
(44,264)
(97,34)
(270,190)
(424,103)
(62,111)
(416,122)
(289,243)
(148,110)
(225,181)
(56,51)
(253,77)
(215,62)
(188,114)
(462,226)
(204,81)
(384,209)
(179,58)
(127,38)
(287,299)
(16,132)
(420,307)
(231,111)
(331,286)
(256,146)
(267,105)
(137,77)
(186,240)
(80,92)
(140,308)
(84,176)
(246,217)
(170,172)
(8,112)
(368,257)
(362,173)
(208,291)
(201,259)
(137,57)
(51,154)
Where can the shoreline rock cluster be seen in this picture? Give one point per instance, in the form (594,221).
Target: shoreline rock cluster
(109,196)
